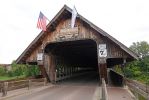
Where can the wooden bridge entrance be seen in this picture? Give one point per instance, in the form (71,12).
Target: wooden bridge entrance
(62,52)
(70,58)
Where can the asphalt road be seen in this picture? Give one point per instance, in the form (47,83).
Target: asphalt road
(79,88)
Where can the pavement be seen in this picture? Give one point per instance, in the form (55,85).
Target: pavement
(79,88)
(119,93)
(22,91)
(67,92)
(59,93)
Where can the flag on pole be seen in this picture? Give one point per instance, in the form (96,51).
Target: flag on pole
(73,17)
(41,24)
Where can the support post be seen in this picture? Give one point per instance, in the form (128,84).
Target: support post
(45,81)
(102,63)
(54,80)
(4,88)
(122,67)
(29,84)
(53,73)
(103,69)
(40,62)
(43,71)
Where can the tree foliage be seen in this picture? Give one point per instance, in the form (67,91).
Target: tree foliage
(139,69)
(141,48)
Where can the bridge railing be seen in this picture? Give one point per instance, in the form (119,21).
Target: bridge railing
(138,88)
(12,85)
(61,76)
(104,90)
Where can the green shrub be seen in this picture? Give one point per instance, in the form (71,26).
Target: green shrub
(2,71)
(10,73)
(24,70)
(33,70)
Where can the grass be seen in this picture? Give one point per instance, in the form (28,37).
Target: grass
(4,78)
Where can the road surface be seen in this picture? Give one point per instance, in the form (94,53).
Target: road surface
(85,87)
(79,88)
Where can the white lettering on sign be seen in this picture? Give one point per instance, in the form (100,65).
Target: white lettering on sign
(102,50)
(39,56)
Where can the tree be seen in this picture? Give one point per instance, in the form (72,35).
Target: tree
(139,69)
(141,48)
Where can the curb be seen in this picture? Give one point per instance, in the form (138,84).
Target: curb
(132,95)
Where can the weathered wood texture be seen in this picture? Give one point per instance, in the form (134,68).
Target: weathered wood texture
(51,66)
(47,63)
(59,30)
(84,32)
(103,71)
(63,32)
(13,85)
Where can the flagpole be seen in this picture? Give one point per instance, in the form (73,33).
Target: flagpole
(73,17)
(47,19)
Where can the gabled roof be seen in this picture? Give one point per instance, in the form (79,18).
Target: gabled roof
(59,15)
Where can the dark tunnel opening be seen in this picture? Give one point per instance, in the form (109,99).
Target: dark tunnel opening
(75,57)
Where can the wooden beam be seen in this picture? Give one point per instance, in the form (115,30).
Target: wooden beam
(103,69)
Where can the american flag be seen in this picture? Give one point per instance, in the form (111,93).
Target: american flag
(41,24)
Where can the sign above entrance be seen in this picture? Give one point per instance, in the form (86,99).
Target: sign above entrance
(69,30)
(102,50)
(68,33)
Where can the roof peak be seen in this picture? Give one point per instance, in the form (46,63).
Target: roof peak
(62,13)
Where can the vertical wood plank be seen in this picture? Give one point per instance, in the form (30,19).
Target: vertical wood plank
(103,71)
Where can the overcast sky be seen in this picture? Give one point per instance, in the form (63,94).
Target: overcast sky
(126,20)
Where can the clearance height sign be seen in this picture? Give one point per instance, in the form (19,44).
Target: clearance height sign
(102,50)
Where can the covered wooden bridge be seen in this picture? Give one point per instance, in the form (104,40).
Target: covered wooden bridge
(63,52)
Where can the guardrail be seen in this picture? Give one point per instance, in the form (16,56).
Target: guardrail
(104,90)
(12,85)
(139,88)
